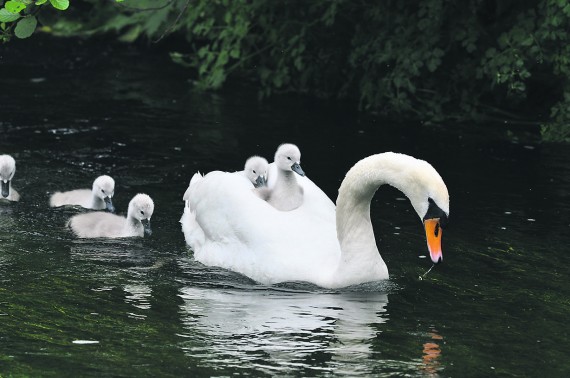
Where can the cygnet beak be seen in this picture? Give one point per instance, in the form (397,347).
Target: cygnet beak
(109,204)
(260,182)
(297,169)
(146,225)
(5,188)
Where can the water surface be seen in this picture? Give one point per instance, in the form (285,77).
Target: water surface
(498,305)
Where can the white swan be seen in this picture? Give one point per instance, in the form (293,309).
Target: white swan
(7,171)
(98,198)
(314,243)
(104,225)
(284,191)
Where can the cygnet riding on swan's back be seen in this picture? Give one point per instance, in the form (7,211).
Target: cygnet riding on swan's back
(98,198)
(104,225)
(284,191)
(7,171)
(255,170)
(315,243)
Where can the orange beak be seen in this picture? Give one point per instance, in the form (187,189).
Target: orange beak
(433,236)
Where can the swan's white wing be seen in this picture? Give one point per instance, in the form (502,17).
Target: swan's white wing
(245,234)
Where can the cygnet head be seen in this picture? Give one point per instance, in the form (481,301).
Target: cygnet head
(256,170)
(288,158)
(141,208)
(7,171)
(104,188)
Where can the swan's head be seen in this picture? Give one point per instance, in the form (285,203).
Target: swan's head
(288,158)
(7,171)
(256,171)
(104,188)
(430,199)
(417,179)
(141,208)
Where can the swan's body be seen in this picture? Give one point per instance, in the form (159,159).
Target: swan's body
(284,191)
(105,225)
(7,171)
(313,243)
(98,198)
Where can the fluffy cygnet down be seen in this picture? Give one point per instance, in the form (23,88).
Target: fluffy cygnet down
(7,171)
(286,194)
(98,198)
(105,225)
(255,170)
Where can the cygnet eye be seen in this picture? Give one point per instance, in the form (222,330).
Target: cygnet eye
(142,212)
(288,158)
(254,171)
(102,191)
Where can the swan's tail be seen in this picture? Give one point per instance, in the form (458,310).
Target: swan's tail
(193,233)
(195,180)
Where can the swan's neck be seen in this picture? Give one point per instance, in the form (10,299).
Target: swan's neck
(97,202)
(132,224)
(286,179)
(287,194)
(360,255)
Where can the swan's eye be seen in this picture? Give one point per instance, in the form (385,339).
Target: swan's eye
(288,158)
(102,191)
(142,212)
(254,172)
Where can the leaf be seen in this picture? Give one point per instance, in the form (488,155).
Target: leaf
(25,27)
(235,53)
(14,6)
(40,2)
(131,35)
(60,4)
(156,20)
(7,16)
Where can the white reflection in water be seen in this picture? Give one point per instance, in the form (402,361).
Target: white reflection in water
(138,295)
(281,330)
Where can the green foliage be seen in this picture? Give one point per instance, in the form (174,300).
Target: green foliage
(60,4)
(26,12)
(432,59)
(7,16)
(25,27)
(14,6)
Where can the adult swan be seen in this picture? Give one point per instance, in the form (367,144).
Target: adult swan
(228,226)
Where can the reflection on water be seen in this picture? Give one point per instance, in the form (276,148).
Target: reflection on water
(432,353)
(280,330)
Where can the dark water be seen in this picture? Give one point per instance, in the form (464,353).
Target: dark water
(499,305)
